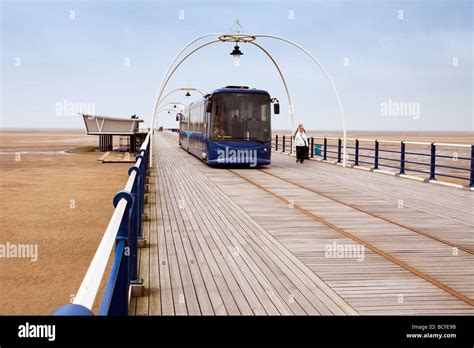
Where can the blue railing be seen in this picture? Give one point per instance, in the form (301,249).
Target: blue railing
(396,157)
(124,231)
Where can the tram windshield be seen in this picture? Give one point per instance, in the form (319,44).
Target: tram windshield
(241,116)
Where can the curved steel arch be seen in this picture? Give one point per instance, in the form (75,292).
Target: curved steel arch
(160,92)
(326,74)
(168,75)
(177,66)
(284,84)
(180,89)
(171,103)
(215,41)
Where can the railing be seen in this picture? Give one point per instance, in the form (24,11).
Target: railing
(393,154)
(124,231)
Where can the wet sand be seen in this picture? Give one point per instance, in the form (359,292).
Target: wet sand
(58,200)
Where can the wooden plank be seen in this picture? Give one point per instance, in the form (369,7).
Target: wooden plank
(156,219)
(167,303)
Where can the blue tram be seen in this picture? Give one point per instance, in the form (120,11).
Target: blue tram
(231,125)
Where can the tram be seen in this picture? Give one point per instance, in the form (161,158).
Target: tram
(231,125)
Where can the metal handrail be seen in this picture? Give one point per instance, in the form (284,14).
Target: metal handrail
(123,231)
(90,284)
(321,150)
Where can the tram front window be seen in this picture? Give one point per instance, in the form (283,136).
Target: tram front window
(241,116)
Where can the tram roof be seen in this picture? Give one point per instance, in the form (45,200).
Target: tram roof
(239,90)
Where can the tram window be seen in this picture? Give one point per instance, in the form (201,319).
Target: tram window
(264,112)
(241,116)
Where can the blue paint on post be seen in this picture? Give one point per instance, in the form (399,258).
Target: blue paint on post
(376,154)
(325,154)
(73,309)
(339,149)
(115,298)
(402,157)
(471,181)
(433,161)
(137,194)
(356,160)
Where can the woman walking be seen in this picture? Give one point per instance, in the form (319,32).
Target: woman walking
(301,143)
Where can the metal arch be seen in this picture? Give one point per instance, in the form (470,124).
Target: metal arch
(326,74)
(182,89)
(214,41)
(284,83)
(177,66)
(161,110)
(160,92)
(170,103)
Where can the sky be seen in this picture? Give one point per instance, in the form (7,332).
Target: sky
(397,65)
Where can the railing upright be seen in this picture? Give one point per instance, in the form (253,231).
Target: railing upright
(433,161)
(325,153)
(402,157)
(115,298)
(291,144)
(471,180)
(284,143)
(276,142)
(376,154)
(312,147)
(356,156)
(339,148)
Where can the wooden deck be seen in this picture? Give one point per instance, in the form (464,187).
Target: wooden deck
(255,242)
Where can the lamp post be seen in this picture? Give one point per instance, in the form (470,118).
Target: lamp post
(236,53)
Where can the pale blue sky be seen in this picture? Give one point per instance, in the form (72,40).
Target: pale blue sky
(81,60)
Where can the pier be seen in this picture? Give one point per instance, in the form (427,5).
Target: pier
(287,239)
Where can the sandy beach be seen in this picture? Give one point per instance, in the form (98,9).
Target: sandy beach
(56,196)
